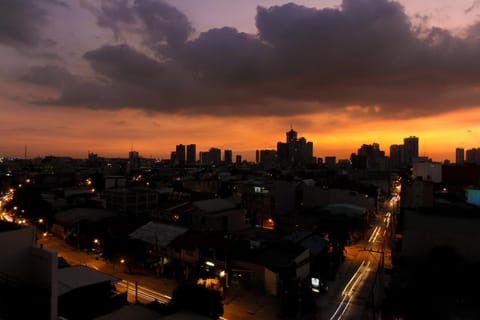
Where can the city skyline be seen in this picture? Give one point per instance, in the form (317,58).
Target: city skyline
(83,76)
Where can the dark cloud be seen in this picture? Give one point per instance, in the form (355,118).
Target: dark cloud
(164,24)
(365,53)
(49,75)
(161,26)
(115,15)
(21,21)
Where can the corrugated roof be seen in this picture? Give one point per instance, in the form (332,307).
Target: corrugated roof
(156,233)
(214,205)
(71,216)
(80,276)
(132,312)
(345,208)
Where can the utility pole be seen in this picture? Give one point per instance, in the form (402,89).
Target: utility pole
(379,288)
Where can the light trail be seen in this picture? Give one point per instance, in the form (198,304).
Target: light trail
(145,293)
(148,294)
(348,292)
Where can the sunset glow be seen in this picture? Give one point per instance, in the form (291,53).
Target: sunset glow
(112,77)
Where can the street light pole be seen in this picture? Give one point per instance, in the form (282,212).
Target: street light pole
(378,274)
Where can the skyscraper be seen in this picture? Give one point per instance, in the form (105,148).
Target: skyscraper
(411,149)
(296,151)
(180,155)
(291,136)
(459,156)
(133,160)
(214,156)
(396,155)
(473,156)
(191,154)
(227,156)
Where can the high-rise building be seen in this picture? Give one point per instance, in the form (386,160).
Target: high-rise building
(227,156)
(291,136)
(133,160)
(214,156)
(296,151)
(473,156)
(204,157)
(411,149)
(369,156)
(459,156)
(238,159)
(268,158)
(396,156)
(191,154)
(180,155)
(331,162)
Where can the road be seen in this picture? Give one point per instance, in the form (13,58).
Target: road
(359,284)
(239,304)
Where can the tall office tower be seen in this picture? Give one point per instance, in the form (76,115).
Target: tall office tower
(238,159)
(133,160)
(227,156)
(204,157)
(257,156)
(459,156)
(291,136)
(282,152)
(296,151)
(411,149)
(191,154)
(214,156)
(268,158)
(331,163)
(309,153)
(473,156)
(396,156)
(369,156)
(180,158)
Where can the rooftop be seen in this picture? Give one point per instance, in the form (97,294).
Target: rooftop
(156,233)
(71,216)
(80,276)
(214,205)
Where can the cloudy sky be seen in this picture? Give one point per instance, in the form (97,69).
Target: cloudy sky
(103,76)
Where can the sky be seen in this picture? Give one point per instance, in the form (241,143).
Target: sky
(79,76)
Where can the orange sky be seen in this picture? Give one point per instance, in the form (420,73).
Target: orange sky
(108,76)
(112,133)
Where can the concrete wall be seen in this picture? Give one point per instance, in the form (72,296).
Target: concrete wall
(424,232)
(303,265)
(43,270)
(15,248)
(23,262)
(271,280)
